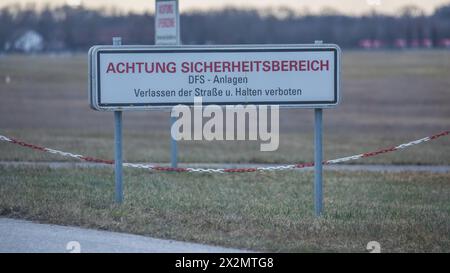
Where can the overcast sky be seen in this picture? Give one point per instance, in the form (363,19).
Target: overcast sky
(344,6)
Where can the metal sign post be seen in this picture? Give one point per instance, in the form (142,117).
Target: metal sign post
(318,194)
(117,41)
(318,187)
(173,146)
(167,32)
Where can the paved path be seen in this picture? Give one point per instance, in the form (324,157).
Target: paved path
(26,236)
(337,167)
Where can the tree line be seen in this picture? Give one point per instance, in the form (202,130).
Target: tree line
(77,28)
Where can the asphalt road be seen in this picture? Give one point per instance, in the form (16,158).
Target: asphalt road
(25,236)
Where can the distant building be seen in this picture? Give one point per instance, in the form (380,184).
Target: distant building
(371,44)
(365,43)
(427,43)
(445,42)
(28,41)
(400,43)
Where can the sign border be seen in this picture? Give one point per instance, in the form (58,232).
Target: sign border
(95,84)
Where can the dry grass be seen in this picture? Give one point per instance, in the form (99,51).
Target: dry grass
(405,212)
(155,147)
(388,98)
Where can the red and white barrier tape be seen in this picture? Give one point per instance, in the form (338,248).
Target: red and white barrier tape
(225,170)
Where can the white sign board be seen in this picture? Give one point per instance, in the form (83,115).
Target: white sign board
(166,22)
(132,77)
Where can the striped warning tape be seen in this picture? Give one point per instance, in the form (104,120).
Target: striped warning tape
(225,170)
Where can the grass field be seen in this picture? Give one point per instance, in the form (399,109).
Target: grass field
(388,98)
(405,212)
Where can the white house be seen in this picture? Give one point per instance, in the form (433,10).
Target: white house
(28,41)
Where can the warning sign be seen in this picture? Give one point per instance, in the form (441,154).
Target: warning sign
(130,77)
(166,22)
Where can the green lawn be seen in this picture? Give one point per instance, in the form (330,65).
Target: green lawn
(272,211)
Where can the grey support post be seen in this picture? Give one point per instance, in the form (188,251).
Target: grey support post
(173,142)
(173,147)
(318,194)
(117,41)
(318,186)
